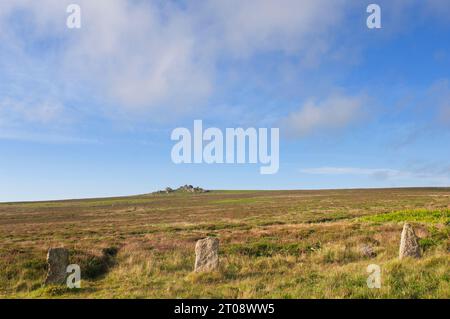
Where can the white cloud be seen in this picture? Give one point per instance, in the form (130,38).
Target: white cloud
(43,121)
(335,112)
(292,26)
(44,112)
(154,56)
(46,137)
(141,55)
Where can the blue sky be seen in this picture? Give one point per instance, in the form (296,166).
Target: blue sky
(88,112)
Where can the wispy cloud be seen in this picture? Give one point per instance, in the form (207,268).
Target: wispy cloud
(440,176)
(335,112)
(383,173)
(150,56)
(30,111)
(46,137)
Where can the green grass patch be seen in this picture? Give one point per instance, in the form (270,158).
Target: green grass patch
(419,215)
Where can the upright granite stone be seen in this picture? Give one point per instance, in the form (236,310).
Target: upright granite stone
(409,246)
(58,260)
(207,255)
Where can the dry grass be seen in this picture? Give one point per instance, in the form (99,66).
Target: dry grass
(277,244)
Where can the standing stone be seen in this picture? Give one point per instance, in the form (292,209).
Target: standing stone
(58,260)
(409,246)
(207,255)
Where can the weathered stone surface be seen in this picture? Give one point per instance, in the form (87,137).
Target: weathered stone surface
(58,260)
(207,255)
(367,251)
(409,246)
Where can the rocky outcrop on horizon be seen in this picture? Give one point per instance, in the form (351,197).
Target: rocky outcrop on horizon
(182,189)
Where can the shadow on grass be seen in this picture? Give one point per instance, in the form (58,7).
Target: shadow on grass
(95,266)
